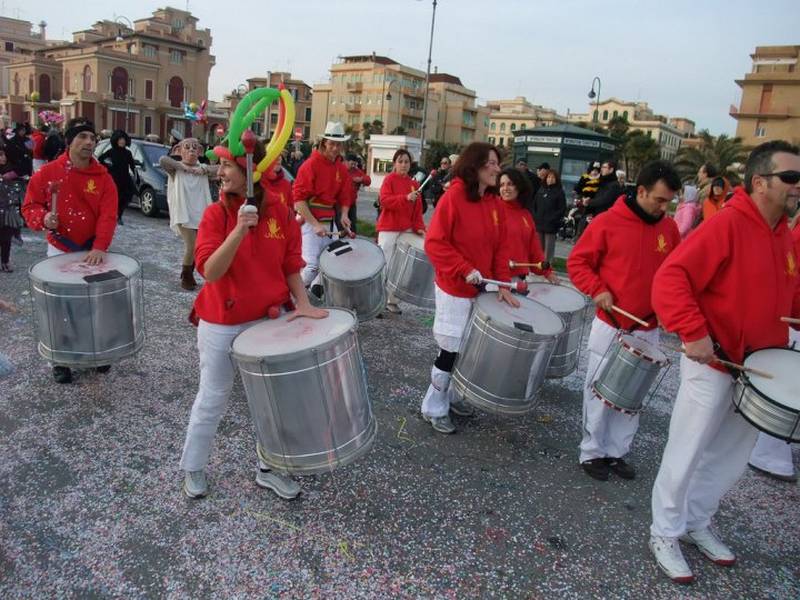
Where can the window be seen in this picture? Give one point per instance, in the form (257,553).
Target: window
(87,78)
(175,91)
(605,115)
(491,140)
(513,127)
(500,143)
(44,88)
(66,81)
(118,83)
(493,126)
(148,89)
(176,57)
(615,114)
(149,51)
(522,126)
(16,84)
(308,114)
(594,116)
(148,124)
(9,46)
(761,131)
(502,128)
(625,115)
(273,119)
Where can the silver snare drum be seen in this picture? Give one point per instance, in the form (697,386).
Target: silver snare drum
(307,391)
(631,366)
(352,276)
(409,275)
(771,405)
(504,354)
(570,305)
(87,316)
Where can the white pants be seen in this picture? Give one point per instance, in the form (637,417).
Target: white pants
(387,240)
(606,432)
(216,380)
(313,245)
(706,453)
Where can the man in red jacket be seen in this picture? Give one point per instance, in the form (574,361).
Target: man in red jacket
(728,284)
(359,178)
(86,213)
(322,184)
(614,263)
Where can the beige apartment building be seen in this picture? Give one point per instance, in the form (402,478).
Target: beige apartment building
(18,40)
(120,77)
(301,93)
(508,116)
(366,88)
(770,104)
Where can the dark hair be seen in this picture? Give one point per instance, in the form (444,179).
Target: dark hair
(658,170)
(612,164)
(710,169)
(520,181)
(258,191)
(760,160)
(470,161)
(555,173)
(400,153)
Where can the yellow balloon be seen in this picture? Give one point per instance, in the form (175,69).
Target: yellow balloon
(193,106)
(279,137)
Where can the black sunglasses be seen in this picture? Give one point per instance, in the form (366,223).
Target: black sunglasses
(790,177)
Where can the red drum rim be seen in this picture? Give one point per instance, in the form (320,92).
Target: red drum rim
(636,352)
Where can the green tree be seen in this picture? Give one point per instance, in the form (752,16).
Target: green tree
(399,130)
(354,144)
(638,150)
(367,129)
(436,150)
(724,152)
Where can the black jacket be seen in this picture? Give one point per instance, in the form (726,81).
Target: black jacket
(119,162)
(19,156)
(606,195)
(54,145)
(549,207)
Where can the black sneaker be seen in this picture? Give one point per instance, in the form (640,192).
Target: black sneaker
(597,468)
(62,374)
(103,369)
(620,468)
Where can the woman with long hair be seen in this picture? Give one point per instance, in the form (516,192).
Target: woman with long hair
(466,242)
(549,207)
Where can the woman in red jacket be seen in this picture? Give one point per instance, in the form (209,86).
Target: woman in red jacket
(251,263)
(466,241)
(523,241)
(401,210)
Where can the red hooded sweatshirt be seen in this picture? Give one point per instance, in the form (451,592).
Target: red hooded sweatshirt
(397,213)
(620,253)
(732,279)
(256,279)
(324,185)
(523,241)
(366,181)
(465,235)
(86,208)
(279,189)
(38,139)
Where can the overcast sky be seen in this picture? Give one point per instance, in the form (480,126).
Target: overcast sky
(682,59)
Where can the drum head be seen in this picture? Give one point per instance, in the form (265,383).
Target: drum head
(783,364)
(70,268)
(274,337)
(351,260)
(413,240)
(559,298)
(643,348)
(543,320)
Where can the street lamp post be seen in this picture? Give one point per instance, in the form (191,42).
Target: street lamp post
(592,95)
(388,95)
(427,80)
(120,38)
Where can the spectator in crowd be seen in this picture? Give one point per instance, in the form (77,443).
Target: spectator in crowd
(10,219)
(18,151)
(436,187)
(608,190)
(119,162)
(687,215)
(717,195)
(53,144)
(358,178)
(705,174)
(535,181)
(37,151)
(548,209)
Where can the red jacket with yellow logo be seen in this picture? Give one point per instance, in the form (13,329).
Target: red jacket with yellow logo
(620,253)
(397,213)
(523,241)
(465,235)
(279,189)
(732,279)
(324,185)
(256,279)
(86,206)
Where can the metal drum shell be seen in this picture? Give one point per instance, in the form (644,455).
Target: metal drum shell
(626,377)
(310,408)
(410,274)
(764,413)
(567,351)
(500,368)
(85,325)
(365,296)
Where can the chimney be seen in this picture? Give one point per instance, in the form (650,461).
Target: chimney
(435,68)
(43,30)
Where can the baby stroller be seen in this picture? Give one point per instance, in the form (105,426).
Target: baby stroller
(570,223)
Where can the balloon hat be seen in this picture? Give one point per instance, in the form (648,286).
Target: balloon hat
(247,111)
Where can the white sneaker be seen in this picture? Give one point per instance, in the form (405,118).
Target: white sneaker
(194,484)
(709,544)
(670,559)
(284,487)
(441,424)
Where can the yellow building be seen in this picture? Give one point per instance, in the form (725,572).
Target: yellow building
(508,116)
(18,40)
(120,78)
(770,105)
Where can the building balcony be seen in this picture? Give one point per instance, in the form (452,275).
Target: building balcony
(779,77)
(414,92)
(413,112)
(352,107)
(355,87)
(772,112)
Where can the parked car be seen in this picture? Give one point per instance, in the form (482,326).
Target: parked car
(151,188)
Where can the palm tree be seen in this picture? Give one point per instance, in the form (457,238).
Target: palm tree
(637,150)
(724,152)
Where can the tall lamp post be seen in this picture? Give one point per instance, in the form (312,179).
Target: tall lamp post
(592,95)
(119,21)
(427,80)
(388,96)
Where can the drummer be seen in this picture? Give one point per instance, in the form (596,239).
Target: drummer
(614,263)
(401,211)
(723,292)
(322,185)
(523,241)
(466,241)
(85,216)
(251,263)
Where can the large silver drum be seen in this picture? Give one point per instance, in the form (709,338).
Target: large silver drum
(87,316)
(771,405)
(409,275)
(570,305)
(307,391)
(504,354)
(352,276)
(631,365)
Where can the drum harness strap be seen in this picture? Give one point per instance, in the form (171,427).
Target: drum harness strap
(73,247)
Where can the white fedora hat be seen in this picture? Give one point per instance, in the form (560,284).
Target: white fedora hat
(335,131)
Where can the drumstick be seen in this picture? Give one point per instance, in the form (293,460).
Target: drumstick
(519,286)
(427,179)
(341,234)
(727,363)
(790,320)
(543,265)
(633,318)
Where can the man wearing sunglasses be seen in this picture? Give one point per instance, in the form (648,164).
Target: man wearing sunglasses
(723,291)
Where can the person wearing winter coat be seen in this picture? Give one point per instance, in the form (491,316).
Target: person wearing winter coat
(687,214)
(18,151)
(119,162)
(717,195)
(549,208)
(10,219)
